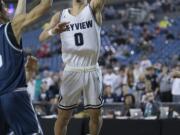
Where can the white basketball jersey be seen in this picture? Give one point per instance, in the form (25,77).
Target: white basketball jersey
(81,43)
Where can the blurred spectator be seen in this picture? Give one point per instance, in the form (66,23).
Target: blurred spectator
(146,34)
(176,85)
(44,51)
(44,96)
(38,83)
(31,87)
(152,77)
(109,96)
(149,105)
(165,85)
(47,78)
(54,88)
(141,84)
(136,72)
(169,36)
(167,6)
(121,80)
(145,63)
(127,89)
(110,77)
(165,23)
(157,30)
(129,103)
(130,77)
(140,88)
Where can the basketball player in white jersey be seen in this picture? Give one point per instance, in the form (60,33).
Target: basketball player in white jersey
(80,52)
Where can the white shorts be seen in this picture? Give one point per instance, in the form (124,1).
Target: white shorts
(78,81)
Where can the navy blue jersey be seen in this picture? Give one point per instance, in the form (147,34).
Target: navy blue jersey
(12,71)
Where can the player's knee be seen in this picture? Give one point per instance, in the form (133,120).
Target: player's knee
(96,117)
(64,117)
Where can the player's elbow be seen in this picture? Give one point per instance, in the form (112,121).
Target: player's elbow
(41,39)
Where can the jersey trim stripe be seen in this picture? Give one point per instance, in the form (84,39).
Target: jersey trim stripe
(9,41)
(67,107)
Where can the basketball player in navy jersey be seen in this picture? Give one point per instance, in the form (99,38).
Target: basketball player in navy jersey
(16,111)
(80,53)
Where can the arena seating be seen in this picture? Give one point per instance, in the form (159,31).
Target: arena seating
(167,49)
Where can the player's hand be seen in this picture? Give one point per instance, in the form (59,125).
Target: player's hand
(60,27)
(175,74)
(31,64)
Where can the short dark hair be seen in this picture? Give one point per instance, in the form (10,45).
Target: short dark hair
(132,97)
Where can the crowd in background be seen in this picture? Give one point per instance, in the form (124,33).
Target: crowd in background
(153,6)
(137,83)
(124,41)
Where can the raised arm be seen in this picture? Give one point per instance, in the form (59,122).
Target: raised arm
(25,20)
(21,8)
(54,28)
(175,74)
(37,12)
(97,7)
(31,67)
(20,22)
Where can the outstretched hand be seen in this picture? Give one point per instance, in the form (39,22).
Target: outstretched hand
(60,27)
(175,74)
(31,64)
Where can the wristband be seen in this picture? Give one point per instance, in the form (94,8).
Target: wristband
(51,33)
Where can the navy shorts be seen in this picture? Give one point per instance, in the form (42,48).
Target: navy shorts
(17,114)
